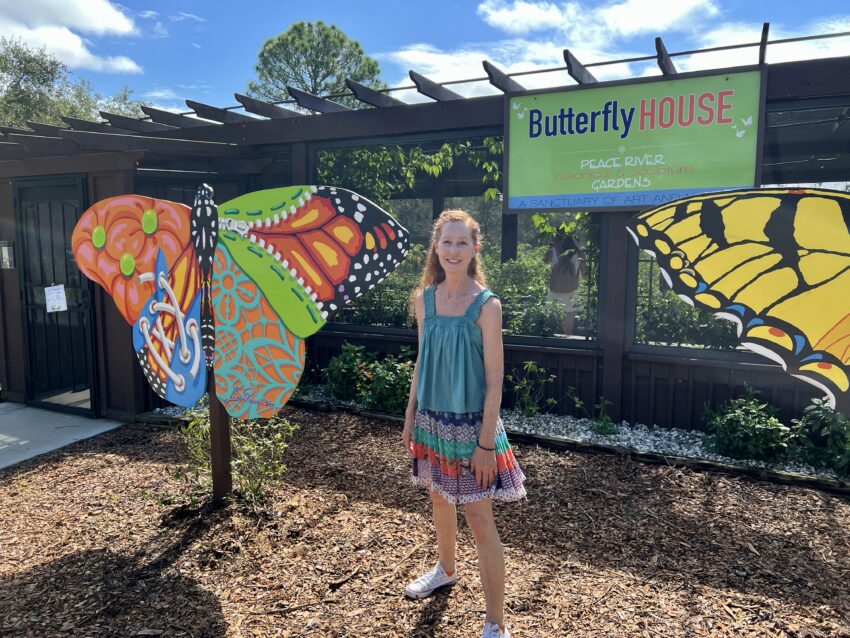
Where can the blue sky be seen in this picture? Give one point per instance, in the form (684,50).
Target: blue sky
(171,50)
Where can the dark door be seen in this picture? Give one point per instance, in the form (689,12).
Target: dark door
(58,343)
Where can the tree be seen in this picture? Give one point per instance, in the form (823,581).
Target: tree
(27,81)
(314,57)
(36,86)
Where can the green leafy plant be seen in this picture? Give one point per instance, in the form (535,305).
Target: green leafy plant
(823,437)
(389,303)
(663,318)
(543,319)
(258,449)
(746,428)
(384,384)
(257,455)
(343,371)
(529,387)
(602,421)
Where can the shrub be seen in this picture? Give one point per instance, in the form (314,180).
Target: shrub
(257,454)
(389,303)
(746,428)
(529,387)
(384,385)
(541,319)
(824,437)
(343,371)
(602,423)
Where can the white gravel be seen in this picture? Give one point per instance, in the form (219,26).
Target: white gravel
(642,438)
(638,437)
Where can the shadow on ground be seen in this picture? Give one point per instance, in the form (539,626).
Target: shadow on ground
(103,593)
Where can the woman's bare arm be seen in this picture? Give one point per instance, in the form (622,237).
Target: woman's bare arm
(490,321)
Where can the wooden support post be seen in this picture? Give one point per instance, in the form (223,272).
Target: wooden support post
(220,450)
(612,308)
(510,224)
(438,200)
(300,161)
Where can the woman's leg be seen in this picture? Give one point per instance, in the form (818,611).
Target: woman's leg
(491,558)
(445,523)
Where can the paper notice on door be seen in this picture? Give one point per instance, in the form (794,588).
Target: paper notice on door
(55,298)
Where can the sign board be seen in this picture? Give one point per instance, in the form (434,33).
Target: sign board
(627,146)
(54,296)
(7,255)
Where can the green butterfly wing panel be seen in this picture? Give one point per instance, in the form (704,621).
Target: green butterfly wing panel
(287,259)
(311,249)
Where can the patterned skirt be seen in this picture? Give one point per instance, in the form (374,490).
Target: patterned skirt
(443,443)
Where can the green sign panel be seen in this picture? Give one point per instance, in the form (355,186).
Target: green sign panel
(633,145)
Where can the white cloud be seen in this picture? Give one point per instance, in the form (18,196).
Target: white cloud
(510,56)
(68,47)
(160,30)
(604,34)
(148,14)
(196,45)
(55,25)
(584,26)
(100,17)
(742,33)
(633,17)
(196,87)
(522,16)
(182,15)
(161,94)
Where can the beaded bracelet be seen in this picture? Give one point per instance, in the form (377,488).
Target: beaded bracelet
(488,449)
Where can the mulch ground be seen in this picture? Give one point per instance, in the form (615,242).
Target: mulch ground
(99,539)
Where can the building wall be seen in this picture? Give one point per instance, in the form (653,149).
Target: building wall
(118,378)
(12,375)
(117,384)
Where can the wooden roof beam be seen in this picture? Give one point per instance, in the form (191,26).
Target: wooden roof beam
(11,151)
(500,79)
(577,70)
(134,124)
(665,62)
(109,142)
(87,125)
(5,130)
(765,30)
(47,130)
(229,165)
(174,119)
(266,109)
(43,145)
(432,89)
(314,102)
(218,115)
(371,96)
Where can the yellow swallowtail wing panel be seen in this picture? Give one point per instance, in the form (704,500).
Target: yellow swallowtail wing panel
(774,261)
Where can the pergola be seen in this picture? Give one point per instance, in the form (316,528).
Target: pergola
(258,144)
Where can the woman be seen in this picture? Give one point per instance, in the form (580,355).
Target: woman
(452,427)
(565,257)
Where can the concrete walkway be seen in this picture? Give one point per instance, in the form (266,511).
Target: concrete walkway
(27,432)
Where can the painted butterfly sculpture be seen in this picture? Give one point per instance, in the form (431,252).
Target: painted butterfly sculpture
(235,287)
(776,262)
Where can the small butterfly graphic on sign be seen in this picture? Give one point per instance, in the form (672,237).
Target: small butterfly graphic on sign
(235,287)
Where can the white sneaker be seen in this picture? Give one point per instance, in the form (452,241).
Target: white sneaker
(491,630)
(426,584)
